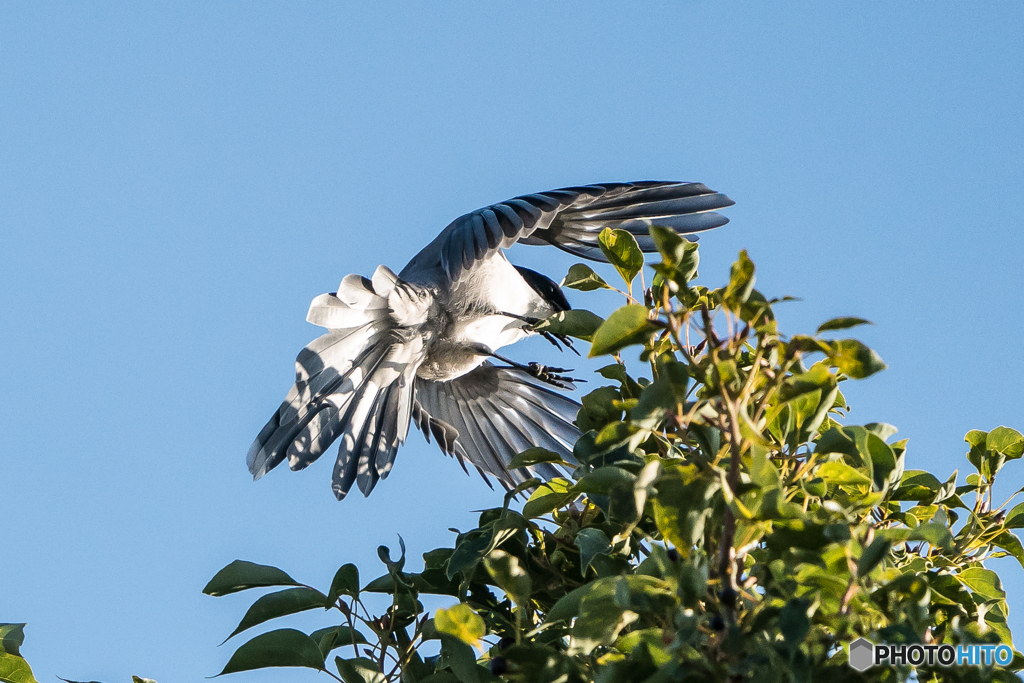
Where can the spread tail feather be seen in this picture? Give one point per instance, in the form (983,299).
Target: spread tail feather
(376,422)
(355,382)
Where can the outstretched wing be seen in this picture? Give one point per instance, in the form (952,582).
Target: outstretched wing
(572,218)
(490,414)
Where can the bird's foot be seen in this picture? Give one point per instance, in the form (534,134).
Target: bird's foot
(554,338)
(552,375)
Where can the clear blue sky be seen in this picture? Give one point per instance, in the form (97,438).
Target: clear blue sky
(177,183)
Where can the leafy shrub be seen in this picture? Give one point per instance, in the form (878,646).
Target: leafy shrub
(723,524)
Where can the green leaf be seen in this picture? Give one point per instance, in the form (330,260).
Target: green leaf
(628,325)
(535,456)
(837,472)
(470,548)
(684,504)
(794,622)
(873,555)
(12,636)
(818,377)
(984,582)
(333,637)
(679,256)
(591,542)
(548,496)
(669,243)
(600,622)
(599,408)
(606,480)
(854,359)
(622,251)
(346,582)
(617,371)
(461,622)
(577,323)
(583,278)
(763,471)
(842,324)
(283,647)
(864,448)
(241,575)
(652,638)
(14,669)
(509,576)
(460,658)
(1009,542)
(612,604)
(568,606)
(382,584)
(882,430)
(359,670)
(919,485)
(741,282)
(933,533)
(282,603)
(662,396)
(1008,442)
(1015,518)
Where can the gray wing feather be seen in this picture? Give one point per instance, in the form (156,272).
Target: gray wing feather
(571,219)
(496,413)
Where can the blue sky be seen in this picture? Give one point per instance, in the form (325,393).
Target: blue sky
(177,183)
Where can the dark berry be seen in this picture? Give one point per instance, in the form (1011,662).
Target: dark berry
(498,666)
(673,554)
(728,596)
(717,622)
(506,643)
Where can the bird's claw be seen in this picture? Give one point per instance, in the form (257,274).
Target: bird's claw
(554,338)
(553,376)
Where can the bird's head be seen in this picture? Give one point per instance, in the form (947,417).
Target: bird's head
(547,288)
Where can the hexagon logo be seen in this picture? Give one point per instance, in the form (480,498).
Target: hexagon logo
(862,654)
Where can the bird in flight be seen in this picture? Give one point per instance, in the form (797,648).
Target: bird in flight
(417,347)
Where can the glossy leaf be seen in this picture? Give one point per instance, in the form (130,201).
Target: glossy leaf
(1008,442)
(241,575)
(461,622)
(346,582)
(855,360)
(679,256)
(283,647)
(842,324)
(591,542)
(984,582)
(577,323)
(583,278)
(628,325)
(282,603)
(622,251)
(509,575)
(873,555)
(12,636)
(535,456)
(547,497)
(741,282)
(333,637)
(837,472)
(14,669)
(1015,517)
(918,485)
(359,670)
